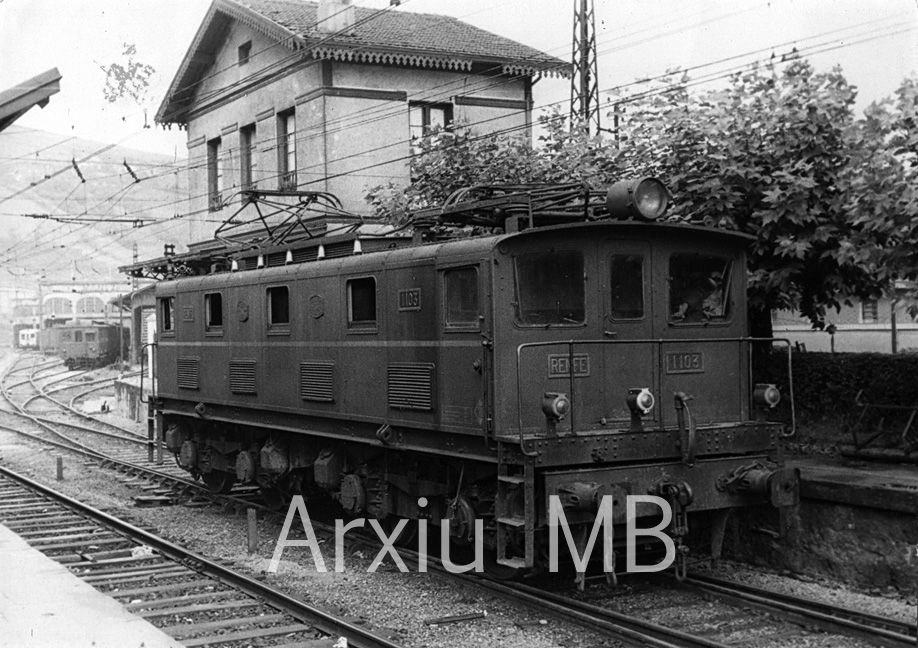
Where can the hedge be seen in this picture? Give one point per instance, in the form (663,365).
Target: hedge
(826,387)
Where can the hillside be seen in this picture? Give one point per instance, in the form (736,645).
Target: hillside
(40,187)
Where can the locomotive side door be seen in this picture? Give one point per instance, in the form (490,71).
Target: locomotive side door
(626,285)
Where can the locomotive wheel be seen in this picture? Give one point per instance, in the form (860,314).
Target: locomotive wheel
(219,481)
(275,498)
(408,535)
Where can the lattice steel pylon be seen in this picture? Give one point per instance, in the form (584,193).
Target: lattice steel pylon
(584,80)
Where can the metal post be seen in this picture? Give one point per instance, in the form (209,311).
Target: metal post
(159,436)
(121,333)
(60,469)
(253,530)
(892,322)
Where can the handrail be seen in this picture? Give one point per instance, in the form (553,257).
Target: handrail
(660,343)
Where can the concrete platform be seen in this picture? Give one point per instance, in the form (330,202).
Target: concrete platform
(891,487)
(43,605)
(129,398)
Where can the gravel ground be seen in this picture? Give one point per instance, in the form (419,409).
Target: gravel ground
(889,603)
(392,602)
(398,603)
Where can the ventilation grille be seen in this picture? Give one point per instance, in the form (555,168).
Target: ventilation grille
(188,369)
(242,376)
(411,386)
(317,381)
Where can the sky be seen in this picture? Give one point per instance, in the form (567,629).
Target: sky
(875,42)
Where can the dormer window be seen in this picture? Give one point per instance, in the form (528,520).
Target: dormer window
(245,50)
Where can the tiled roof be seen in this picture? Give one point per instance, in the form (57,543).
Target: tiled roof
(397,30)
(389,37)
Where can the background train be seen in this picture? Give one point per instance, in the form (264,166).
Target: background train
(582,350)
(27,338)
(85,344)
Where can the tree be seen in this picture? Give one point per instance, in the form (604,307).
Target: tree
(129,81)
(777,153)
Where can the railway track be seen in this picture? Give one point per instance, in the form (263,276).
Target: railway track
(193,599)
(774,620)
(693,614)
(130,455)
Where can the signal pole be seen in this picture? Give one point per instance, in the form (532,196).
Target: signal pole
(584,80)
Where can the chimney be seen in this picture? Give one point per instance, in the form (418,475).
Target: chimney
(336,17)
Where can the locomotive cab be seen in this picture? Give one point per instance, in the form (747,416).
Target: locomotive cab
(628,345)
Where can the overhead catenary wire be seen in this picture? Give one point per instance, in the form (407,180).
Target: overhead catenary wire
(354,171)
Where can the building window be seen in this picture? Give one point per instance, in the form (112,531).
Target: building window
(869,312)
(213,312)
(245,51)
(461,297)
(286,139)
(248,156)
(361,303)
(166,308)
(279,309)
(215,174)
(424,119)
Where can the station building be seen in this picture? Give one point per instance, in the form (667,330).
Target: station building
(290,95)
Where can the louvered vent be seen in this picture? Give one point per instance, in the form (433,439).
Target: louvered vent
(411,386)
(188,369)
(317,381)
(338,250)
(242,376)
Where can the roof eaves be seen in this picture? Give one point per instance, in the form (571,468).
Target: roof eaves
(173,107)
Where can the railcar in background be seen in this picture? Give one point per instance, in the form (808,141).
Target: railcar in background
(85,345)
(577,349)
(27,338)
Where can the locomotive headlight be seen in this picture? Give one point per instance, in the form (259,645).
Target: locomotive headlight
(766,396)
(646,198)
(640,401)
(555,406)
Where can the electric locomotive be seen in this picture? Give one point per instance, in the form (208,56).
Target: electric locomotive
(577,348)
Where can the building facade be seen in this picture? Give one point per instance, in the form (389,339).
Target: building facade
(872,326)
(303,96)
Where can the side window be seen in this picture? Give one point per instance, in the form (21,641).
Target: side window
(550,288)
(279,309)
(78,336)
(213,312)
(361,303)
(166,310)
(461,288)
(627,286)
(699,288)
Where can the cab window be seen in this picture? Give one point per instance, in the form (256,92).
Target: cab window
(699,288)
(461,297)
(627,286)
(550,288)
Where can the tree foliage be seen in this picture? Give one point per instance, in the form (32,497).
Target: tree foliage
(778,153)
(127,80)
